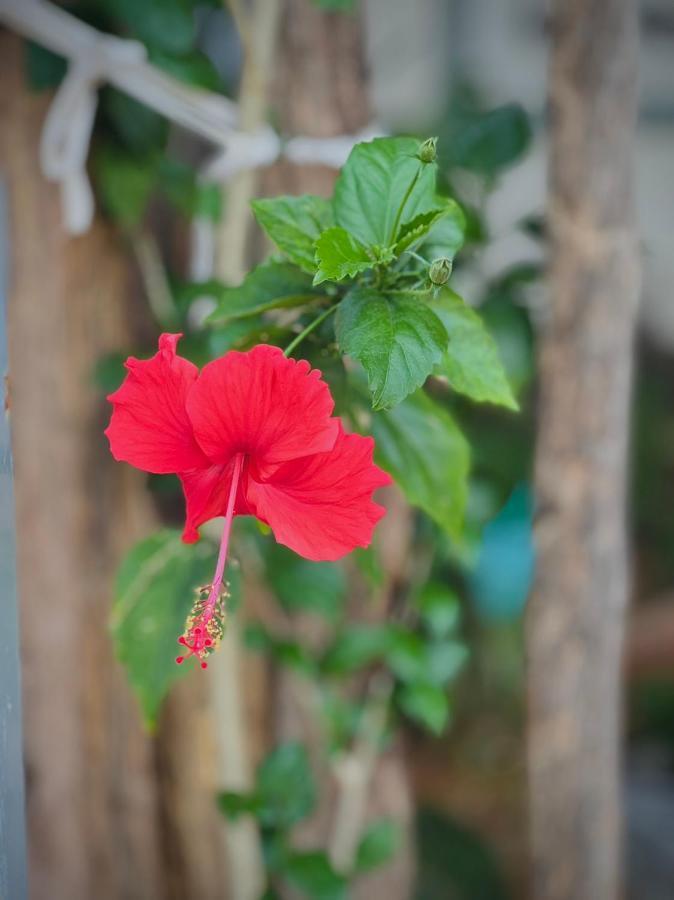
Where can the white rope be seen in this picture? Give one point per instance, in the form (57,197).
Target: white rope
(96,58)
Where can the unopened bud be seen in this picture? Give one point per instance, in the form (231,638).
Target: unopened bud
(440,270)
(428,150)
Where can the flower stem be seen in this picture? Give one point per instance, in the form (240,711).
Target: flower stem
(402,206)
(310,327)
(229,515)
(204,626)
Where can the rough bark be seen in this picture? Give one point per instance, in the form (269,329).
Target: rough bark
(101,811)
(576,617)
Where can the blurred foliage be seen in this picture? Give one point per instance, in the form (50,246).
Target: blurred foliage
(435,379)
(453,863)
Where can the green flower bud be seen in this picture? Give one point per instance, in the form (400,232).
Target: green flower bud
(440,270)
(428,150)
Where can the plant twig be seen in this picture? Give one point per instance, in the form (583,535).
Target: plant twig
(296,341)
(154,276)
(353,772)
(246,868)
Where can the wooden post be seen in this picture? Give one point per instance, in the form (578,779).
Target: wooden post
(576,617)
(111,811)
(12,817)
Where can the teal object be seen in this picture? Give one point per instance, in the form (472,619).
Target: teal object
(501,579)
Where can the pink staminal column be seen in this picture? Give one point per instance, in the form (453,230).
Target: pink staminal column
(205,623)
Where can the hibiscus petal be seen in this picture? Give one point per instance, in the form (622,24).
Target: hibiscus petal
(262,404)
(206,494)
(321,506)
(150,427)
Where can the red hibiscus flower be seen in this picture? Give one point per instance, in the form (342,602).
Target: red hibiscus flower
(251,434)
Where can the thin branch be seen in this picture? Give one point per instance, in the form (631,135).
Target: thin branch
(353,772)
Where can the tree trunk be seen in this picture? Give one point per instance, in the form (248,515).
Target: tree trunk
(576,617)
(102,796)
(321,91)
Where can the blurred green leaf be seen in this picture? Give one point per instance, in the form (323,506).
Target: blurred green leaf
(125,184)
(301,584)
(413,659)
(419,443)
(471,361)
(439,609)
(154,593)
(406,654)
(312,873)
(486,142)
(286,651)
(285,787)
(426,704)
(272,285)
(396,337)
(187,193)
(295,224)
(109,372)
(166,25)
(378,844)
(234,804)
(194,68)
(140,128)
(356,647)
(367,560)
(44,69)
(373,184)
(339,255)
(455,862)
(335,5)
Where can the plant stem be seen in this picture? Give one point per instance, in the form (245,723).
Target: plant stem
(310,327)
(416,256)
(398,217)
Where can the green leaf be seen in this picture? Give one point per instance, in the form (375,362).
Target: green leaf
(187,193)
(109,372)
(444,661)
(371,189)
(406,656)
(154,593)
(312,873)
(367,560)
(193,68)
(301,584)
(446,235)
(335,5)
(420,445)
(447,217)
(272,285)
(167,25)
(439,608)
(396,337)
(339,255)
(377,846)
(140,128)
(234,804)
(487,141)
(355,648)
(471,361)
(44,69)
(285,787)
(453,861)
(285,651)
(125,183)
(413,659)
(426,704)
(295,224)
